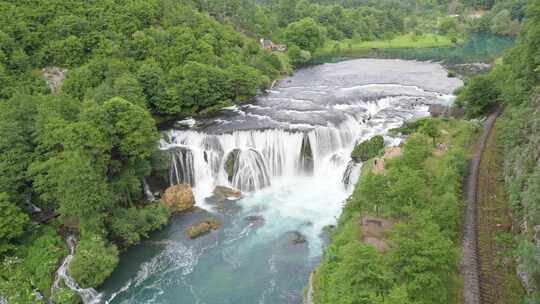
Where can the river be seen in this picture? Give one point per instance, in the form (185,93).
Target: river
(292,151)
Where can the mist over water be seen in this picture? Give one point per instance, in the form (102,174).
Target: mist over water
(289,153)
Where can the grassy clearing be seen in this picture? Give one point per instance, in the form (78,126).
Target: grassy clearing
(349,47)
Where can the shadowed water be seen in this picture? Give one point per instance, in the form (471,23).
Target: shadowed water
(289,153)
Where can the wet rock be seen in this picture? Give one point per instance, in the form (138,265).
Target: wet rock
(222,193)
(178,198)
(229,163)
(254,218)
(306,156)
(295,238)
(202,227)
(329,228)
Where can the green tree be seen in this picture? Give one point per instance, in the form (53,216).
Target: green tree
(416,150)
(424,259)
(306,34)
(430,127)
(12,223)
(479,95)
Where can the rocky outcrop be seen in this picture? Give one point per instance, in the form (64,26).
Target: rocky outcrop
(254,218)
(229,163)
(222,193)
(178,198)
(295,238)
(202,227)
(54,76)
(306,156)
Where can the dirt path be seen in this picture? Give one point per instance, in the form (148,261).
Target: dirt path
(470,264)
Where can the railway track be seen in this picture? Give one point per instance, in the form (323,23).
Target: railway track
(470,267)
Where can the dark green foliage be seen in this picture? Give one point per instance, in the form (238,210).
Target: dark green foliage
(12,223)
(368,148)
(305,33)
(31,266)
(130,225)
(479,96)
(423,258)
(430,128)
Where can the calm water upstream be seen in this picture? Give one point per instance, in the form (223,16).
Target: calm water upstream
(259,255)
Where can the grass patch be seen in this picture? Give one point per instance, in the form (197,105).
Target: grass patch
(352,48)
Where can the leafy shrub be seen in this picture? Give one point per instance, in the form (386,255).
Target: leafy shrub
(130,225)
(94,261)
(479,95)
(368,148)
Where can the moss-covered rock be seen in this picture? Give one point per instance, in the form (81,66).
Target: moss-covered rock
(178,198)
(202,227)
(229,163)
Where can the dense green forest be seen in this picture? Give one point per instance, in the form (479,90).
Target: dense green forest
(74,155)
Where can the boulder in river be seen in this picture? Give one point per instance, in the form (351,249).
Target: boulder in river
(254,218)
(222,193)
(202,227)
(229,163)
(295,237)
(178,198)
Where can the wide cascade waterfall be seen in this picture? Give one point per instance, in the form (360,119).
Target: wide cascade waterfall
(250,160)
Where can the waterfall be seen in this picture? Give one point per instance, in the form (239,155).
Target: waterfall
(182,168)
(349,175)
(252,159)
(250,171)
(88,295)
(148,192)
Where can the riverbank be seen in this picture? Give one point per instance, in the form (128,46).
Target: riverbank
(402,223)
(352,48)
(474,48)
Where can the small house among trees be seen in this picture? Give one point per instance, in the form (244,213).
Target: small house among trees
(267,44)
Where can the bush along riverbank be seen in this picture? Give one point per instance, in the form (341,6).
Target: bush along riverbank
(397,238)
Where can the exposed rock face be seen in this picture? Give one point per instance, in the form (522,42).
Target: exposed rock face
(306,156)
(178,198)
(54,76)
(202,227)
(254,218)
(229,163)
(222,193)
